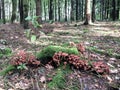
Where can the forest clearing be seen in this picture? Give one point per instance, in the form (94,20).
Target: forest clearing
(59,44)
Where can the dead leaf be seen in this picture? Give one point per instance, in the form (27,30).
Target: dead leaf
(42,79)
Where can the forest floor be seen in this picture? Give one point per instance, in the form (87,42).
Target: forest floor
(103,36)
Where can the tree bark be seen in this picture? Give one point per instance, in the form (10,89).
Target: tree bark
(113,10)
(3,12)
(0,10)
(25,10)
(21,11)
(45,10)
(55,10)
(93,10)
(87,12)
(77,10)
(59,10)
(51,10)
(72,11)
(117,11)
(14,9)
(38,11)
(65,10)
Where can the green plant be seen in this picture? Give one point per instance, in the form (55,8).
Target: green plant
(51,21)
(33,38)
(28,33)
(58,80)
(36,25)
(6,70)
(34,21)
(5,52)
(85,30)
(22,66)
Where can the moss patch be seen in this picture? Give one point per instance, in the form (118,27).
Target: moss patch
(46,54)
(5,52)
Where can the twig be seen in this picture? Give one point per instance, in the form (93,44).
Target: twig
(10,84)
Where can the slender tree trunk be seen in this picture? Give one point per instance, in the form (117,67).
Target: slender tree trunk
(55,10)
(93,10)
(108,11)
(102,9)
(77,10)
(51,10)
(3,12)
(21,11)
(82,9)
(0,10)
(45,10)
(117,11)
(72,11)
(25,10)
(14,9)
(59,10)
(87,13)
(113,10)
(65,10)
(38,11)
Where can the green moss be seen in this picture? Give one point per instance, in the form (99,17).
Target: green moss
(6,70)
(46,54)
(5,52)
(59,80)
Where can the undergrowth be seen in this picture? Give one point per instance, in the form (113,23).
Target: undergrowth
(5,52)
(59,80)
(103,52)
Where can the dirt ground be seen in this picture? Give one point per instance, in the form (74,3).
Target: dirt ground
(104,36)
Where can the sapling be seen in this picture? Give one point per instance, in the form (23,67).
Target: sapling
(36,25)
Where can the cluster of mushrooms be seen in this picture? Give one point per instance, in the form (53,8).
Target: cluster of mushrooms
(23,57)
(74,60)
(98,67)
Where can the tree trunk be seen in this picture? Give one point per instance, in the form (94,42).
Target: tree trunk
(87,12)
(14,9)
(3,12)
(25,10)
(45,10)
(59,10)
(38,11)
(51,10)
(108,11)
(82,10)
(0,10)
(21,11)
(65,10)
(72,11)
(117,11)
(93,10)
(55,10)
(77,10)
(113,10)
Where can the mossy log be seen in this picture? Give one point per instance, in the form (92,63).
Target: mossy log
(47,53)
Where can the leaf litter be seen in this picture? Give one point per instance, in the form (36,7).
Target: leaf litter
(15,39)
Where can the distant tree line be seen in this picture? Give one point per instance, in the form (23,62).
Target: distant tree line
(59,10)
